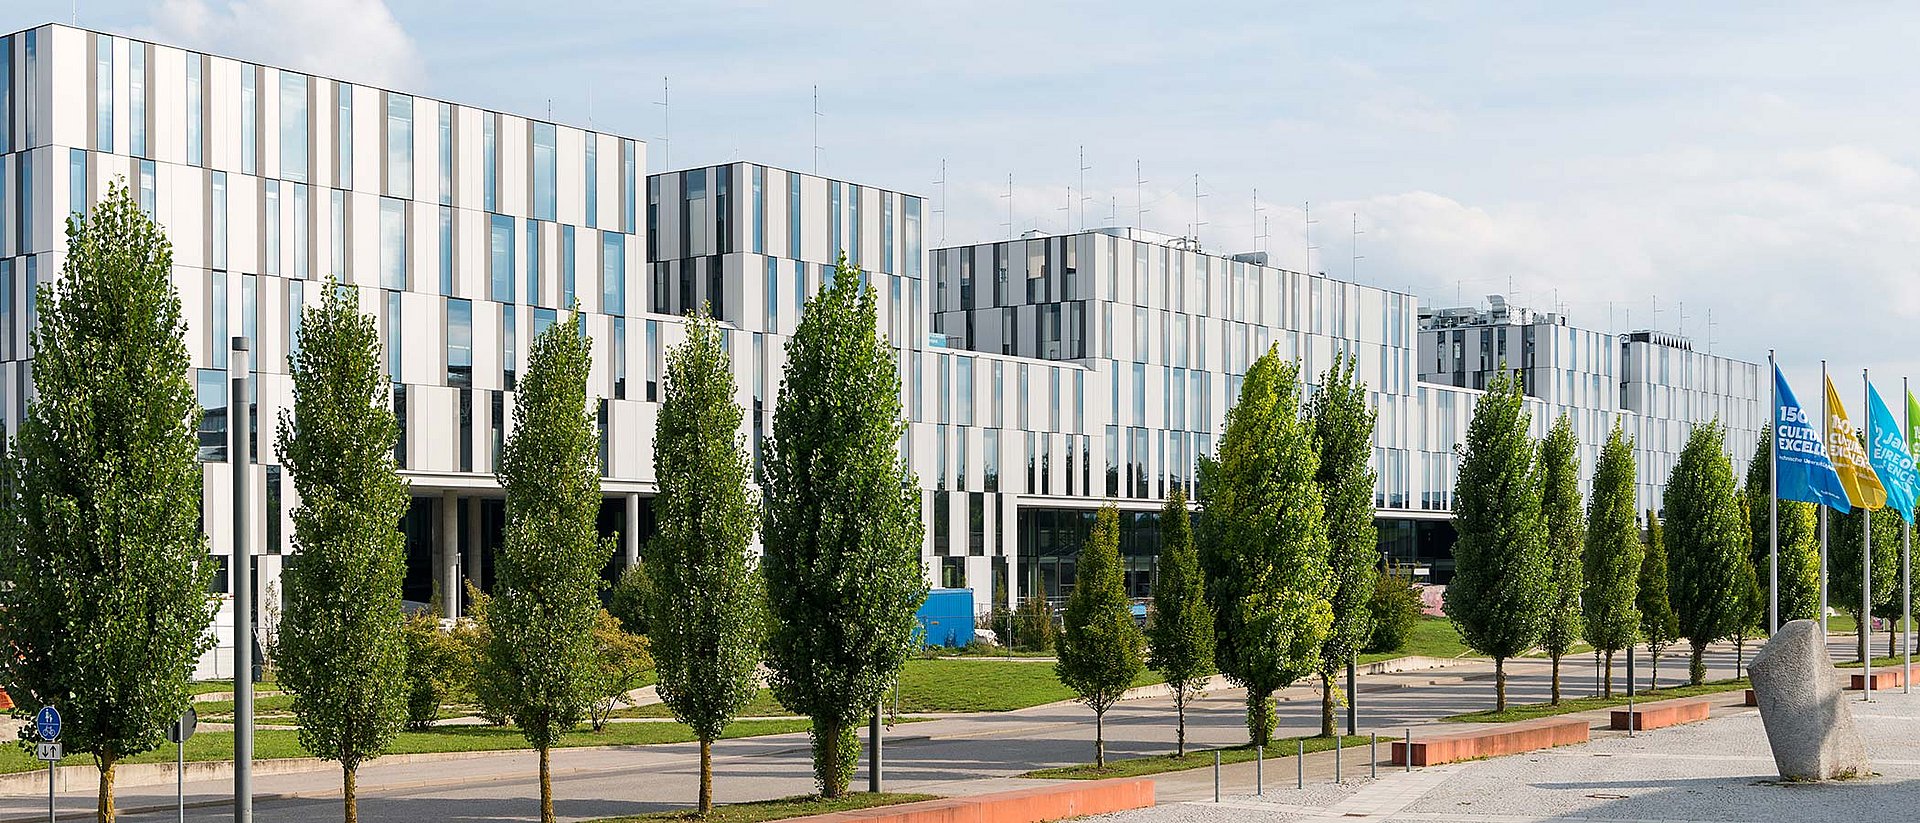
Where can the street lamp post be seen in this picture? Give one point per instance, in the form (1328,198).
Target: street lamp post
(239,456)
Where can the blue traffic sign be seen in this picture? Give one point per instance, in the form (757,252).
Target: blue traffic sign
(47,724)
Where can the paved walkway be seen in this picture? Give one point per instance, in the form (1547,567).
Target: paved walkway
(958,755)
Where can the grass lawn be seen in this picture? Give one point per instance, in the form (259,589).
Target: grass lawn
(1878,662)
(1530,711)
(1197,758)
(974,685)
(269,744)
(781,809)
(1432,637)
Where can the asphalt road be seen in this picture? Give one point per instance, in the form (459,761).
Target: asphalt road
(954,755)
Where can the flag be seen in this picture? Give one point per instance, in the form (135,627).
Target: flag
(1850,457)
(1888,453)
(1806,473)
(1913,424)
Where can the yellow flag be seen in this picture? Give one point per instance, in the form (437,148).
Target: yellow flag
(1850,457)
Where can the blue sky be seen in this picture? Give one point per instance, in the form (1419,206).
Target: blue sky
(1753,159)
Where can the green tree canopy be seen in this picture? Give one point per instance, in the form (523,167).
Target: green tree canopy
(1560,512)
(546,595)
(705,600)
(1706,536)
(841,525)
(1844,552)
(1613,554)
(1180,628)
(1798,540)
(1100,646)
(341,652)
(1264,542)
(1343,431)
(1499,596)
(1659,626)
(106,604)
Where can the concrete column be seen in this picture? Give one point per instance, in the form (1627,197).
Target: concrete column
(472,554)
(630,537)
(449,554)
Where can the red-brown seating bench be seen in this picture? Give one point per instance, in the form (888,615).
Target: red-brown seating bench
(1661,714)
(1054,802)
(1492,741)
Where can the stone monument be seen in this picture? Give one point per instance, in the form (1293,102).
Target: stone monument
(1808,722)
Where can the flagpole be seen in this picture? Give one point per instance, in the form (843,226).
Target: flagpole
(1826,444)
(1866,550)
(1773,502)
(1906,560)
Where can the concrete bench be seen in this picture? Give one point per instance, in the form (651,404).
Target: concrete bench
(1054,802)
(1750,699)
(1661,714)
(1493,741)
(1883,679)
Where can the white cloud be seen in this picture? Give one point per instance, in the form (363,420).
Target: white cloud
(358,40)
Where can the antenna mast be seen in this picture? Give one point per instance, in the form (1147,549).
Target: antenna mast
(1083,188)
(1009,198)
(816,128)
(666,125)
(1196,210)
(1139,199)
(942,211)
(1259,227)
(1311,248)
(1353,268)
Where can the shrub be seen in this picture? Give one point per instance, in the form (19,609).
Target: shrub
(1396,609)
(1033,627)
(433,668)
(621,661)
(627,599)
(471,639)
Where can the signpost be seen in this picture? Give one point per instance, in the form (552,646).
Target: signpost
(178,732)
(46,725)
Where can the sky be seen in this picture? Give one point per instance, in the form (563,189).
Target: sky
(1746,174)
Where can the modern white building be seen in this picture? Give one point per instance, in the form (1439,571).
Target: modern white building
(1042,376)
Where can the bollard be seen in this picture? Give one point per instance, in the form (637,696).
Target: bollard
(1336,758)
(1300,766)
(1373,756)
(1259,771)
(1409,750)
(1216,775)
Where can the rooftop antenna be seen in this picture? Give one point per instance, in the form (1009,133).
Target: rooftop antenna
(1353,266)
(942,210)
(549,108)
(1196,210)
(1139,200)
(1009,198)
(1083,188)
(589,107)
(1683,318)
(1311,248)
(666,119)
(1068,208)
(1259,223)
(1113,210)
(1656,313)
(1709,331)
(816,128)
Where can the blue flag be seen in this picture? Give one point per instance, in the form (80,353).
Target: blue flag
(1800,451)
(1887,453)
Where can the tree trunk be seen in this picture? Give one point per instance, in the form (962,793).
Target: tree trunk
(1697,664)
(1607,687)
(104,809)
(1653,676)
(1326,705)
(1893,632)
(546,786)
(347,793)
(1861,630)
(706,777)
(1556,680)
(1180,728)
(1260,718)
(1499,684)
(1099,738)
(828,769)
(1739,653)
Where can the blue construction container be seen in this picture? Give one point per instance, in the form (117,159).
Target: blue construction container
(946,619)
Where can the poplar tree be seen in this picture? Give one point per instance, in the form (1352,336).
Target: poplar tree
(106,568)
(1100,645)
(1843,551)
(1264,542)
(1559,473)
(1798,541)
(1707,545)
(705,594)
(1180,629)
(1499,596)
(1343,431)
(841,525)
(342,653)
(1659,627)
(539,656)
(1613,555)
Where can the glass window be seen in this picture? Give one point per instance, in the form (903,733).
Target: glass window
(533,263)
(249,120)
(300,230)
(772,296)
(543,185)
(393,343)
(910,233)
(490,159)
(103,91)
(446,153)
(6,100)
(592,176)
(509,348)
(137,98)
(250,310)
(216,318)
(272,247)
(193,109)
(653,360)
(338,220)
(628,180)
(399,145)
(793,215)
(296,303)
(31,52)
(620,358)
(210,388)
(219,256)
(543,319)
(613,273)
(293,126)
(393,244)
(965,367)
(343,131)
(500,256)
(835,246)
(759,209)
(446,251)
(568,278)
(149,199)
(77,184)
(886,231)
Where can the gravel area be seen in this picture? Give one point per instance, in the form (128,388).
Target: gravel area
(1720,770)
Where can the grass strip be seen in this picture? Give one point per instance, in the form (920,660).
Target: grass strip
(1531,711)
(786,807)
(1431,637)
(1198,758)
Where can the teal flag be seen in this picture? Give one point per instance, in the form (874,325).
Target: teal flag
(1887,453)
